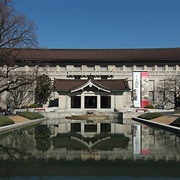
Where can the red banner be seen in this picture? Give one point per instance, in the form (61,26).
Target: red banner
(144,89)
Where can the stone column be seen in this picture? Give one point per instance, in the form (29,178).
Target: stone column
(82,128)
(82,101)
(98,101)
(166,67)
(68,101)
(59,102)
(112,101)
(177,68)
(98,128)
(112,128)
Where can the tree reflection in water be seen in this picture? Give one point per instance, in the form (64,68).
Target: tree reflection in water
(42,136)
(16,145)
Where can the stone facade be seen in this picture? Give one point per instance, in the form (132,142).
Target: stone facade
(156,73)
(104,64)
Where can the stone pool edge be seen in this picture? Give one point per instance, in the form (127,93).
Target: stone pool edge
(170,128)
(12,127)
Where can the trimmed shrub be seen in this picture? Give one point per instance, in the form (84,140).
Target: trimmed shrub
(31,115)
(5,121)
(33,106)
(149,116)
(149,106)
(176,122)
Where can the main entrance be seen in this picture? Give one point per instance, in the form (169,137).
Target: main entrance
(90,102)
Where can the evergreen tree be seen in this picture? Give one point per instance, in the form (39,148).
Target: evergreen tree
(43,89)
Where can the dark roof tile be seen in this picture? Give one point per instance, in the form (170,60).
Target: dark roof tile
(100,54)
(71,84)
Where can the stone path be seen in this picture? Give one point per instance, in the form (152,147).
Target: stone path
(18,119)
(164,119)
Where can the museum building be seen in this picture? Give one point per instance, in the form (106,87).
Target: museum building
(100,78)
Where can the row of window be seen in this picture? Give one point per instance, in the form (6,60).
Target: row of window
(91,102)
(120,68)
(104,127)
(160,95)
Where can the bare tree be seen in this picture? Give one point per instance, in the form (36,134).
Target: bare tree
(21,96)
(168,92)
(16,32)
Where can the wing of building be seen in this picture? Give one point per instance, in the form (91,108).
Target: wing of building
(102,78)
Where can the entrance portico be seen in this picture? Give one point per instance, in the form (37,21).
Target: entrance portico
(90,94)
(91,100)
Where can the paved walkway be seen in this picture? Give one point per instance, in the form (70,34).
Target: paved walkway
(164,119)
(18,119)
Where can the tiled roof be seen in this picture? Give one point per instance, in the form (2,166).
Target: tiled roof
(71,84)
(100,54)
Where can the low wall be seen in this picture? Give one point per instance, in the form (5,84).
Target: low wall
(131,112)
(148,110)
(58,114)
(158,125)
(12,127)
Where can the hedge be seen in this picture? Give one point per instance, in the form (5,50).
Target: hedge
(5,120)
(149,106)
(149,116)
(31,115)
(33,106)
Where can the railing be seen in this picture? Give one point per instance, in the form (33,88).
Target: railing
(105,72)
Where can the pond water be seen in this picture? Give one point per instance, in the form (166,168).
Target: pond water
(78,150)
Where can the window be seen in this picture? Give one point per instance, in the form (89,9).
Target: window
(105,127)
(75,127)
(90,102)
(105,102)
(151,96)
(90,128)
(151,85)
(75,102)
(172,95)
(162,95)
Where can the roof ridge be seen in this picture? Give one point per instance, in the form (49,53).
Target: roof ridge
(97,83)
(97,49)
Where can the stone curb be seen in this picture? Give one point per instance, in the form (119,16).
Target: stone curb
(12,127)
(159,125)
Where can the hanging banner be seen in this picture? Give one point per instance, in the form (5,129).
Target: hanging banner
(136,129)
(137,89)
(145,140)
(144,89)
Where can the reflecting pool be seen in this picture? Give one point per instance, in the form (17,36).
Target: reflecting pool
(84,150)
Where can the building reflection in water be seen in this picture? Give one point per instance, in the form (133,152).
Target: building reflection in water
(101,141)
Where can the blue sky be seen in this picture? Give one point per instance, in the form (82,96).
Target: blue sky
(104,23)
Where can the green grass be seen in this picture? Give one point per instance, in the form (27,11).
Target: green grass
(5,121)
(149,116)
(31,115)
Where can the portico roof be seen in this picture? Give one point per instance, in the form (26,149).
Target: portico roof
(92,83)
(107,85)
